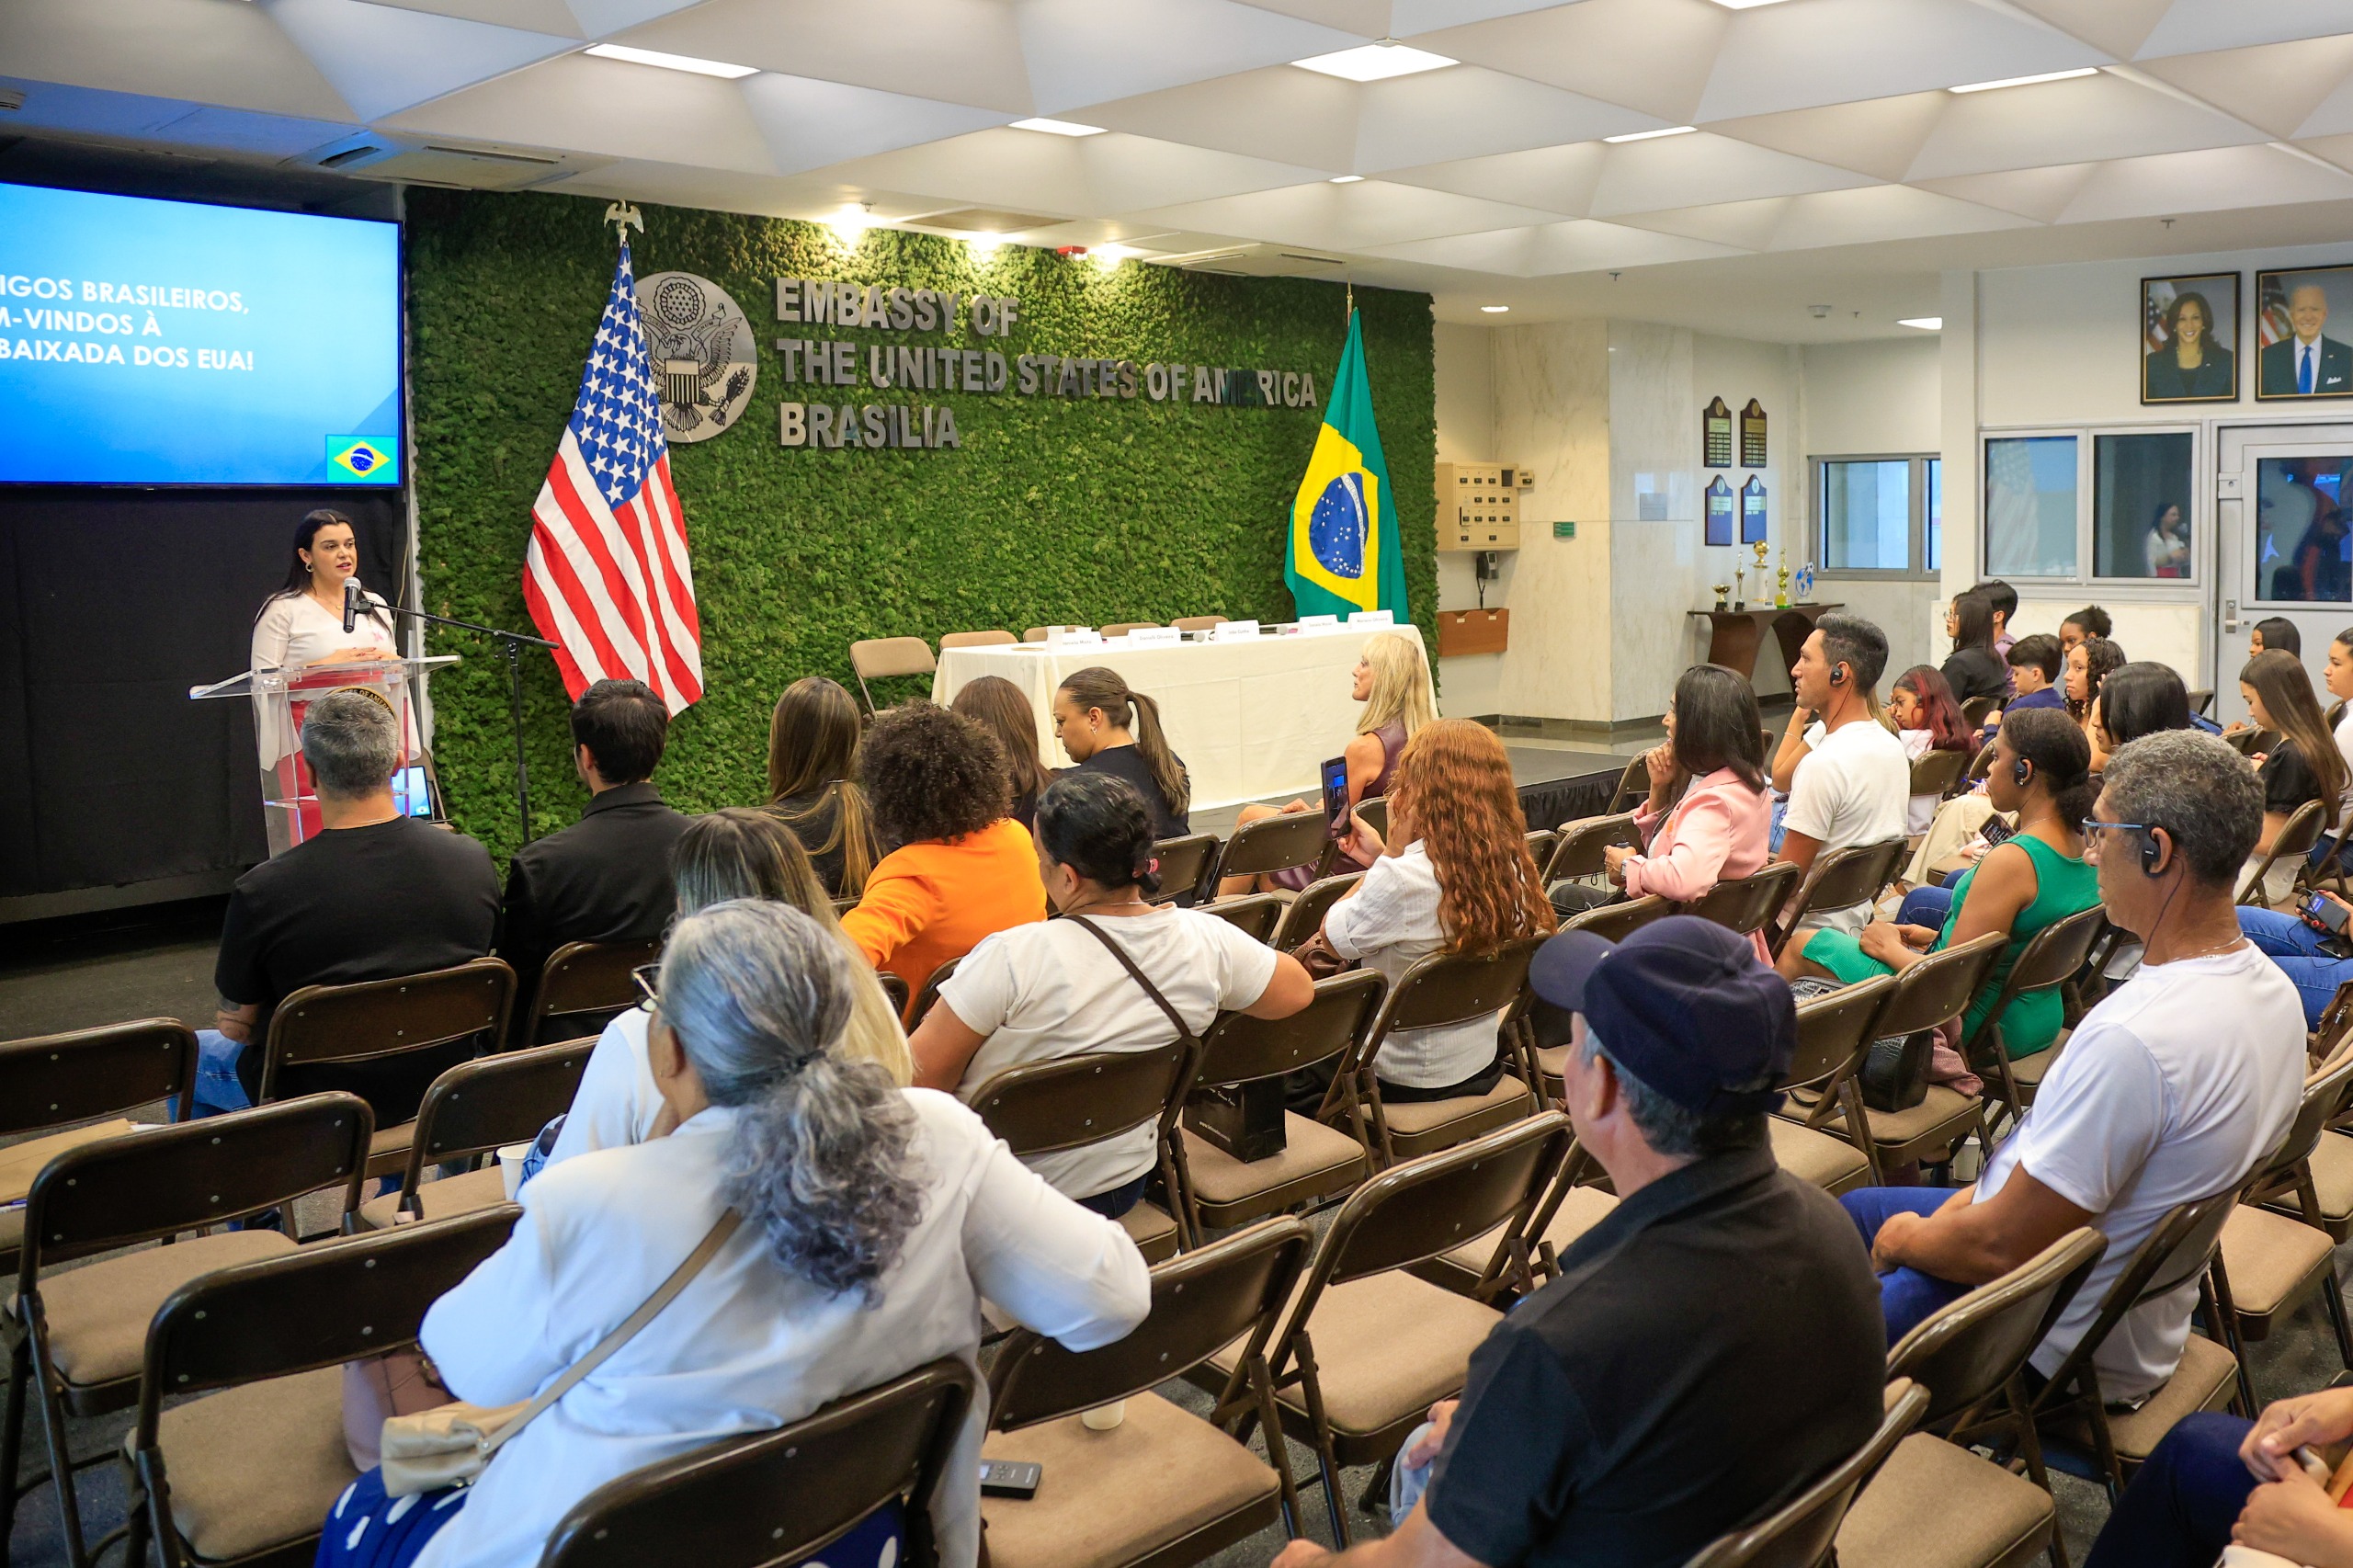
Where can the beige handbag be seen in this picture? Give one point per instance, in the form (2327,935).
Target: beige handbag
(452,1443)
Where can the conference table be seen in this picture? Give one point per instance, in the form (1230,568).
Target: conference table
(1252,717)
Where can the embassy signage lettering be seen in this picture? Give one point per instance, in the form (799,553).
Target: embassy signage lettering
(836,363)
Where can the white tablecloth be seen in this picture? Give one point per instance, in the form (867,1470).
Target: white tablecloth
(1251,719)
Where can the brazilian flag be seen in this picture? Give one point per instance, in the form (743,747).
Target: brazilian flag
(1345,553)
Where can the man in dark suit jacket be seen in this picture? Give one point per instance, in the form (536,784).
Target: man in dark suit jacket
(607,877)
(2307,364)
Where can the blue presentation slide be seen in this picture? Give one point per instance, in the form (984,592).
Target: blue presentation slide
(172,343)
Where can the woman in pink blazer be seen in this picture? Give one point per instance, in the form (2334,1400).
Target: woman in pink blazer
(1710,808)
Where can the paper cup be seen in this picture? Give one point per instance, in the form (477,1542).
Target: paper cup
(511,1165)
(1104,1418)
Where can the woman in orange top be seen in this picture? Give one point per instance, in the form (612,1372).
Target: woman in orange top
(962,869)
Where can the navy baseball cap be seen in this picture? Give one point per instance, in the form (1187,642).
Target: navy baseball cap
(1683,1004)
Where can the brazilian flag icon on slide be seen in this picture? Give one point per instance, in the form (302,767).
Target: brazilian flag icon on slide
(1345,553)
(362,456)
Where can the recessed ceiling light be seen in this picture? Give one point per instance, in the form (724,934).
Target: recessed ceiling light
(1347,179)
(985,244)
(1925,324)
(1495,310)
(849,225)
(1651,135)
(1058,127)
(1374,62)
(1746,5)
(2028,81)
(1108,257)
(671,61)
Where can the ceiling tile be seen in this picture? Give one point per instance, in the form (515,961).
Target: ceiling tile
(719,190)
(1409,19)
(1650,55)
(809,124)
(1468,112)
(964,51)
(2120,27)
(1745,225)
(1367,18)
(2194,24)
(1700,169)
(2039,194)
(2082,121)
(532,16)
(1873,136)
(1882,212)
(1551,179)
(2332,116)
(92,111)
(382,60)
(1085,52)
(1343,216)
(2223,179)
(2274,86)
(1299,116)
(639,112)
(1582,245)
(1093,177)
(603,19)
(202,51)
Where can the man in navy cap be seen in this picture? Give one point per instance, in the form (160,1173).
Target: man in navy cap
(1710,1346)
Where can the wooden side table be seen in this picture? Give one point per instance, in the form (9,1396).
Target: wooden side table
(1733,634)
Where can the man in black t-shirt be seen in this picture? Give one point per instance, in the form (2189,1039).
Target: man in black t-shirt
(1709,1347)
(375,894)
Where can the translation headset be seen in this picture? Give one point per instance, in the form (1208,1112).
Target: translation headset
(1838,674)
(2150,850)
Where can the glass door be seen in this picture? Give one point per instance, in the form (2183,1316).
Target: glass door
(2284,529)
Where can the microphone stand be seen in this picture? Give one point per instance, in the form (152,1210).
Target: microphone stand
(513,643)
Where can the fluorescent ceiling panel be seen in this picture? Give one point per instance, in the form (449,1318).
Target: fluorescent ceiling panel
(1375,62)
(685,63)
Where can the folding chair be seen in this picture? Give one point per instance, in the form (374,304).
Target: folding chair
(1183,865)
(1979,766)
(1842,879)
(1196,622)
(1220,1191)
(1046,1108)
(2202,701)
(1374,815)
(2270,1263)
(1034,634)
(1616,921)
(1578,852)
(2248,742)
(436,1015)
(74,1336)
(1274,844)
(992,639)
(1257,912)
(83,1082)
(1799,1533)
(894,988)
(1937,771)
(1305,914)
(1746,904)
(1366,1349)
(1931,993)
(248,1472)
(1163,1487)
(783,1496)
(1814,1134)
(1974,713)
(476,1108)
(2294,843)
(873,658)
(1516,1258)
(1541,841)
(1633,785)
(930,991)
(581,988)
(1439,989)
(2052,957)
(1121,628)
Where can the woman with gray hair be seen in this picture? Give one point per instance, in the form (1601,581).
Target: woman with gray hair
(873,1221)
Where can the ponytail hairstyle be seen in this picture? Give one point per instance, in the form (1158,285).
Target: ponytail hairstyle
(2062,758)
(1948,727)
(2091,620)
(2279,679)
(1097,686)
(1454,792)
(813,750)
(822,1155)
(1401,686)
(1100,827)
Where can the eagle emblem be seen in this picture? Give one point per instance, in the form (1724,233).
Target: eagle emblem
(700,347)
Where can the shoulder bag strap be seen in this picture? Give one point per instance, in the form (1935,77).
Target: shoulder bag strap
(680,1278)
(1129,965)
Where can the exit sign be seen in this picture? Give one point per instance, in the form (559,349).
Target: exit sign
(1564,530)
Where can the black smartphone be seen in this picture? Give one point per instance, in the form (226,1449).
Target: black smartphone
(1335,798)
(1010,1478)
(2325,916)
(1996,831)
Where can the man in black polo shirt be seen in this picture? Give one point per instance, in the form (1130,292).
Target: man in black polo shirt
(1709,1347)
(607,877)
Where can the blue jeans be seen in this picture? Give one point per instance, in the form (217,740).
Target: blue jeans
(2296,948)
(218,1087)
(1407,1482)
(1905,1295)
(1926,907)
(2178,1511)
(1775,831)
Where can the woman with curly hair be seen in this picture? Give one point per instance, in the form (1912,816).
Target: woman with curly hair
(959,868)
(2089,662)
(1459,879)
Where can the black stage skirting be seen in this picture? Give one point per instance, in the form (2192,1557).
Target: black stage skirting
(1558,785)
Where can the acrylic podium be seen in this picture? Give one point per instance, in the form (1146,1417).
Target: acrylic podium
(289,800)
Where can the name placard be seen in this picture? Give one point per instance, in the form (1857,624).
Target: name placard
(1153,636)
(1072,636)
(1373,618)
(1234,631)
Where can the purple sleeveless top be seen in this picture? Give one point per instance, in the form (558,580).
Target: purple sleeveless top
(1391,737)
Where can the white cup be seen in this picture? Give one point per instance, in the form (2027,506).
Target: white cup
(1104,1418)
(511,1165)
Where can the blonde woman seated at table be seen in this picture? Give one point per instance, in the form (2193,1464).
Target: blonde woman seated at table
(1392,681)
(733,854)
(1053,989)
(873,1219)
(1454,876)
(1708,810)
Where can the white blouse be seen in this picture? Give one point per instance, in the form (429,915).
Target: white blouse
(618,1099)
(747,1347)
(1390,921)
(295,629)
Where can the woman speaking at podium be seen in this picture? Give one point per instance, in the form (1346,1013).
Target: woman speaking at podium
(302,622)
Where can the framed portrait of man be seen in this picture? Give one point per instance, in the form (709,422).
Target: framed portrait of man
(2190,329)
(2303,330)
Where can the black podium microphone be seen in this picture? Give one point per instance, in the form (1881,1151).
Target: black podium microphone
(350,603)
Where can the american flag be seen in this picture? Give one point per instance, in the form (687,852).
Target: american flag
(607,576)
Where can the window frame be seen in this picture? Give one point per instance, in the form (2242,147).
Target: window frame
(2086,438)
(1916,547)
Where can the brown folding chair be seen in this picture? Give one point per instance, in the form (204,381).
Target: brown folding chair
(84,1082)
(1304,917)
(581,988)
(477,1109)
(1512,1259)
(1257,913)
(1633,785)
(441,1012)
(1165,1487)
(992,639)
(2293,844)
(1578,852)
(1183,865)
(1799,1534)
(1374,815)
(1746,904)
(2270,1263)
(1937,771)
(874,658)
(248,1472)
(2202,701)
(1974,713)
(1616,921)
(2051,958)
(1842,879)
(2249,742)
(1365,1348)
(1046,1108)
(1979,766)
(1439,989)
(783,1496)
(1245,1055)
(1814,1134)
(75,1334)
(1121,628)
(894,988)
(1196,622)
(1929,995)
(1034,634)
(930,991)
(1273,844)
(1541,841)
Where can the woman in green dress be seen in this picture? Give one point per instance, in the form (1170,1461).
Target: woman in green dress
(2036,878)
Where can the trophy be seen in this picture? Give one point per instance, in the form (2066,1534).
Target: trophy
(1781,580)
(1723,592)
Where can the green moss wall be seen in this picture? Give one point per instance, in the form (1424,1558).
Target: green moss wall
(1054,510)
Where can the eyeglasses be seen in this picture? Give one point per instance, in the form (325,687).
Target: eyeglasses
(2094,831)
(647,978)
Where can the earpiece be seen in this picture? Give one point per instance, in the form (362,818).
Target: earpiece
(2151,851)
(1838,674)
(2021,771)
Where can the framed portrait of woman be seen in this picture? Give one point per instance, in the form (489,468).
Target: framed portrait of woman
(2190,329)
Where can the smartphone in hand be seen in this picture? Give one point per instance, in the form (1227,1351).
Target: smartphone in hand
(1336,799)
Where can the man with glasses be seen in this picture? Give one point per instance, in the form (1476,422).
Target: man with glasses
(2172,1089)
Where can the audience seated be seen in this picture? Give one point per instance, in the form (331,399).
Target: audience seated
(2303,765)
(1106,728)
(1051,989)
(607,877)
(813,787)
(1394,683)
(2089,622)
(1926,718)
(2090,663)
(1458,880)
(372,895)
(1707,1348)
(733,854)
(2035,878)
(874,1218)
(2275,634)
(2216,1479)
(1974,669)
(2172,1089)
(2337,677)
(2003,601)
(996,705)
(961,868)
(2034,669)
(1705,819)
(1854,785)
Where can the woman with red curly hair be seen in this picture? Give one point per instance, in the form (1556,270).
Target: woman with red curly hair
(1458,880)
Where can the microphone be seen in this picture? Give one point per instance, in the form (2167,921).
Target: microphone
(351,602)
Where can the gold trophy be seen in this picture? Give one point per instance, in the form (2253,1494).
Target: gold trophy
(1723,596)
(1781,580)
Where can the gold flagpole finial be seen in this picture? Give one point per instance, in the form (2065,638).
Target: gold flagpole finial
(626,218)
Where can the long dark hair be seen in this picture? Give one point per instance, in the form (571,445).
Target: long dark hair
(2279,679)
(2061,755)
(298,574)
(1972,620)
(1001,709)
(1097,686)
(812,749)
(1100,827)
(1947,725)
(1717,725)
(2280,635)
(2141,698)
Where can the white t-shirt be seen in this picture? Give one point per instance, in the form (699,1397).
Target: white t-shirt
(2344,745)
(2170,1090)
(1919,810)
(1855,788)
(618,1099)
(1045,991)
(1392,920)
